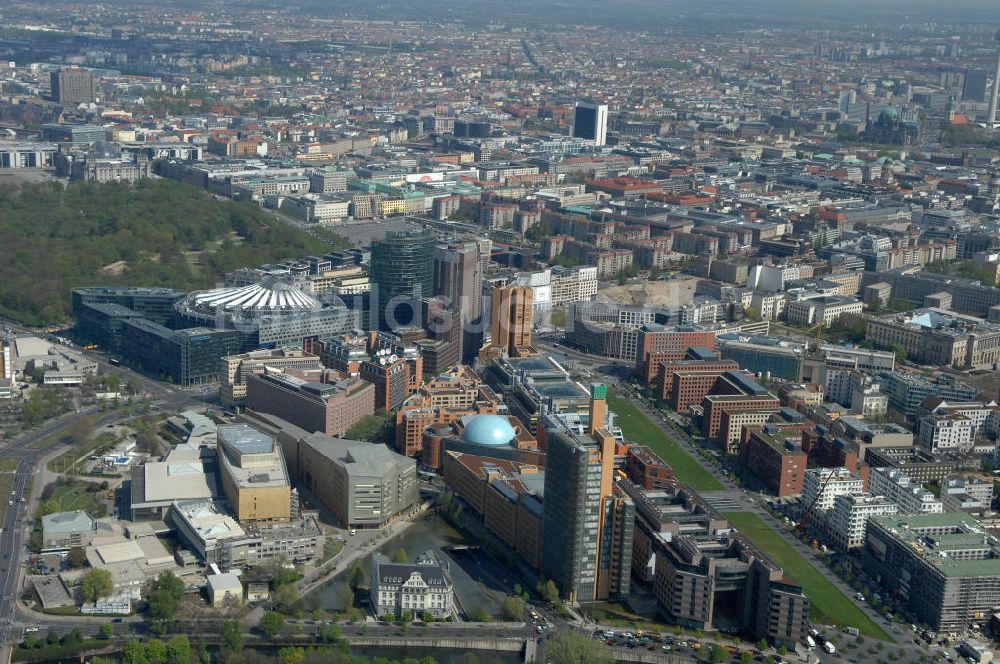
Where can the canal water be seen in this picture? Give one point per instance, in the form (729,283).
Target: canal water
(429,533)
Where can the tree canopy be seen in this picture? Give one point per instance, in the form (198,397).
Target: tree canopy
(156,232)
(165,597)
(271,623)
(96,584)
(574,648)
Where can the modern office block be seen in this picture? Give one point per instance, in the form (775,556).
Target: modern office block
(331,405)
(72,85)
(944,568)
(253,474)
(511,320)
(402,272)
(156,304)
(185,357)
(586,527)
(591,121)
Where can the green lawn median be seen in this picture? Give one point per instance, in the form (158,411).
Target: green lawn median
(829,605)
(638,428)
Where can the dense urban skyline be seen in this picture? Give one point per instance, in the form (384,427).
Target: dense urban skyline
(569,332)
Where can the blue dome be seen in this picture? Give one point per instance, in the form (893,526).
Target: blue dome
(488,430)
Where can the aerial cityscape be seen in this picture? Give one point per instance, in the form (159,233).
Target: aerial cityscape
(477,333)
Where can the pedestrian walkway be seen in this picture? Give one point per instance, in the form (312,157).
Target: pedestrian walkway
(722,502)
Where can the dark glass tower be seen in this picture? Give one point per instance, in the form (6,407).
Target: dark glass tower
(402,272)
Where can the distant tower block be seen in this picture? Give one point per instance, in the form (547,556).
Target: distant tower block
(991,119)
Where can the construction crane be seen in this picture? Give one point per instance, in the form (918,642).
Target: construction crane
(819,334)
(807,512)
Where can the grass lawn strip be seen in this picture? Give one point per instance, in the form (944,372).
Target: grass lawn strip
(829,605)
(638,428)
(74,496)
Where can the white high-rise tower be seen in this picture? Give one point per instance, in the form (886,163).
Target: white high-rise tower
(991,119)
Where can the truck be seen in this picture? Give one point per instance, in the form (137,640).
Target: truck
(828,647)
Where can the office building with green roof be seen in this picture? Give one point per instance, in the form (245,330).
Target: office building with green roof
(944,568)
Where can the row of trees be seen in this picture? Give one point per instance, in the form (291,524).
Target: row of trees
(177,650)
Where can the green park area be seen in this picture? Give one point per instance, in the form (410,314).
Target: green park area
(829,605)
(71,496)
(153,232)
(638,428)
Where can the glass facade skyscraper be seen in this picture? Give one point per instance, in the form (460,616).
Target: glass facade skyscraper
(402,272)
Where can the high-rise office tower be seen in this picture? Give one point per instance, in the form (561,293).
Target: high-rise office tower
(844,101)
(974,88)
(587,524)
(458,278)
(72,86)
(402,272)
(591,121)
(6,367)
(512,315)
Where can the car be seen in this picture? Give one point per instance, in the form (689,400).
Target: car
(117,620)
(31,629)
(353,532)
(666,648)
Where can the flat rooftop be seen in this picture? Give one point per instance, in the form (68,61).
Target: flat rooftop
(938,538)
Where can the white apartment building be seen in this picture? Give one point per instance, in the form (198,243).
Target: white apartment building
(822,485)
(770,306)
(946,432)
(868,399)
(315,209)
(850,513)
(837,384)
(985,414)
(970,493)
(826,309)
(560,286)
(900,489)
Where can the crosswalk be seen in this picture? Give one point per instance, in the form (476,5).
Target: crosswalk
(723,501)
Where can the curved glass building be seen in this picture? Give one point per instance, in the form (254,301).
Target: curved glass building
(402,272)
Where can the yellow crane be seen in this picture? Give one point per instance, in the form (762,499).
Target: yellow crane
(819,333)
